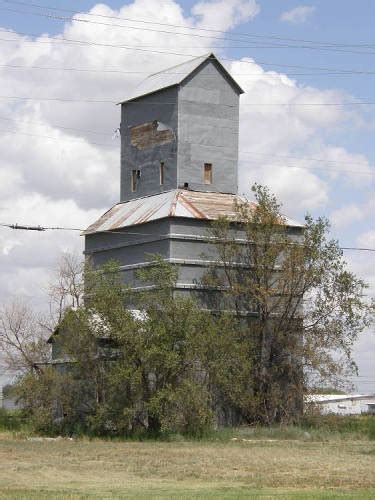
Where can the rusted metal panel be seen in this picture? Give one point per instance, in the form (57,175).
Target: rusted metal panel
(175,203)
(147,135)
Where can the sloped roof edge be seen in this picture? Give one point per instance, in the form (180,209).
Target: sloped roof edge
(189,204)
(146,87)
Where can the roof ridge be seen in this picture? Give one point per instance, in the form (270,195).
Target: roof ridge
(207,55)
(145,196)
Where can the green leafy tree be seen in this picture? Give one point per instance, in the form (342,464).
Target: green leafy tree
(139,362)
(293,295)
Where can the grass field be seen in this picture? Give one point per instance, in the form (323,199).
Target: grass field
(248,467)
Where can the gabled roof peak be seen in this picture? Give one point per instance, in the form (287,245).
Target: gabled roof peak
(175,75)
(197,59)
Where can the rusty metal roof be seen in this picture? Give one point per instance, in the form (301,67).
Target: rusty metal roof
(175,76)
(174,203)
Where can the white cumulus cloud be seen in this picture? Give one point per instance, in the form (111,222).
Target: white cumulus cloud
(59,165)
(298,15)
(225,14)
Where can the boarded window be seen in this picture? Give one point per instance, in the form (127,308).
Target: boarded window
(208,173)
(150,134)
(161,172)
(134,181)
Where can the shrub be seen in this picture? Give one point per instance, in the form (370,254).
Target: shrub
(10,420)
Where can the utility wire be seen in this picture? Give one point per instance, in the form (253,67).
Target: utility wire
(61,18)
(255,45)
(55,17)
(242,151)
(66,41)
(304,158)
(254,163)
(133,103)
(119,232)
(211,47)
(65,139)
(208,30)
(116,71)
(32,122)
(37,228)
(69,41)
(59,99)
(343,171)
(128,27)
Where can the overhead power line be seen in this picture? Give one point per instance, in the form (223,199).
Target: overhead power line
(358,249)
(255,45)
(195,28)
(205,47)
(241,151)
(59,99)
(111,71)
(304,158)
(138,103)
(59,139)
(247,162)
(61,18)
(40,228)
(73,129)
(70,41)
(60,228)
(254,153)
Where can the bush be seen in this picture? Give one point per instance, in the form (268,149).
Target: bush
(361,425)
(10,420)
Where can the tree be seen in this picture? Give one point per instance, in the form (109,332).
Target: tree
(151,362)
(154,381)
(290,290)
(22,339)
(285,311)
(23,332)
(67,288)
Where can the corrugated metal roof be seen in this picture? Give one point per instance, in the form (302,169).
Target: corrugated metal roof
(174,76)
(175,203)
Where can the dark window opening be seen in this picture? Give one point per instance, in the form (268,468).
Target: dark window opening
(134,180)
(208,173)
(161,173)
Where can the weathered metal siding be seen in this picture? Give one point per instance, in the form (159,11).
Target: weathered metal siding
(143,147)
(191,250)
(200,121)
(176,240)
(208,122)
(129,246)
(181,241)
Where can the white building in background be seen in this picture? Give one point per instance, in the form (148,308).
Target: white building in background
(343,404)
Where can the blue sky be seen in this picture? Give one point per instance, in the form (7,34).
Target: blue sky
(73,191)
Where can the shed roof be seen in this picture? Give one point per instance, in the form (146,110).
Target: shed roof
(332,398)
(174,203)
(176,75)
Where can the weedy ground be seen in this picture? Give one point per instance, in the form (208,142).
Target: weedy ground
(243,463)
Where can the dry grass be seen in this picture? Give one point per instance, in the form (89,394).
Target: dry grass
(233,469)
